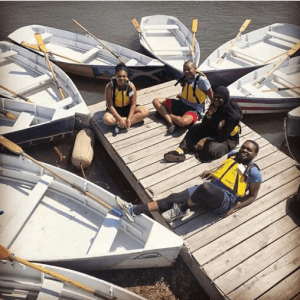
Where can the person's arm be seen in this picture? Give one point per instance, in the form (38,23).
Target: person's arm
(110,106)
(248,199)
(133,105)
(225,131)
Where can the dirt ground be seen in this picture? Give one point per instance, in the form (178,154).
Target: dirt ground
(169,283)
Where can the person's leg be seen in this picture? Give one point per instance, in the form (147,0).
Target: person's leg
(207,195)
(163,107)
(110,120)
(183,121)
(212,151)
(194,134)
(140,114)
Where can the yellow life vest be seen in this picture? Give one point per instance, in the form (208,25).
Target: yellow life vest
(192,93)
(121,98)
(230,174)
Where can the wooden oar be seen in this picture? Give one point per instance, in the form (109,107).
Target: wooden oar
(242,29)
(5,254)
(278,64)
(18,150)
(100,42)
(282,89)
(15,94)
(194,30)
(35,47)
(8,114)
(45,50)
(140,31)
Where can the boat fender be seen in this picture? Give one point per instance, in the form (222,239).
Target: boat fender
(83,151)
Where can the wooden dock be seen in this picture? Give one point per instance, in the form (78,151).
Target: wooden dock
(251,254)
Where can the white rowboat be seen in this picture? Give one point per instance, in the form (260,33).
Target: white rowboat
(251,51)
(49,221)
(82,55)
(27,74)
(34,123)
(168,39)
(280,92)
(18,281)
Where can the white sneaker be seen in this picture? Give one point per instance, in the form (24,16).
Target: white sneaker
(127,208)
(174,213)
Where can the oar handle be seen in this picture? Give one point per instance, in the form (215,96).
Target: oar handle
(8,114)
(15,94)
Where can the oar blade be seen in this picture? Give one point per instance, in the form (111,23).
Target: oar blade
(136,25)
(41,42)
(4,253)
(195,25)
(10,145)
(245,25)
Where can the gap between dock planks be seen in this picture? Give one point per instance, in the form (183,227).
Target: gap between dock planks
(222,253)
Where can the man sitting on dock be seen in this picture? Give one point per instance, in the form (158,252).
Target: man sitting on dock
(226,192)
(188,108)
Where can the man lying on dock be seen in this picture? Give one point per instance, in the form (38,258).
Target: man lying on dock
(226,192)
(188,108)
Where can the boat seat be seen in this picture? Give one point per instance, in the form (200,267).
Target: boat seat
(235,92)
(21,216)
(51,289)
(132,62)
(35,83)
(106,235)
(240,53)
(92,52)
(248,87)
(283,37)
(24,120)
(7,54)
(65,102)
(161,27)
(289,80)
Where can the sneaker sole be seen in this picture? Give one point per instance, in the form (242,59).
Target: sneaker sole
(173,158)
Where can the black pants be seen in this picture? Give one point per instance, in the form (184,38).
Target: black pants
(206,195)
(212,150)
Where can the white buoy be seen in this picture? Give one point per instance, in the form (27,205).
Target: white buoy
(83,152)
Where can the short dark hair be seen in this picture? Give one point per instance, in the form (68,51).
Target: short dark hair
(255,145)
(120,67)
(190,61)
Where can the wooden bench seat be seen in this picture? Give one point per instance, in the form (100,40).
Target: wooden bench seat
(106,235)
(173,49)
(161,27)
(89,54)
(290,81)
(51,289)
(35,83)
(283,37)
(7,54)
(20,218)
(249,88)
(24,120)
(65,102)
(240,53)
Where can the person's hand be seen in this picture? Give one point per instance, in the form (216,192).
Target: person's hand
(122,123)
(211,110)
(200,144)
(128,123)
(206,175)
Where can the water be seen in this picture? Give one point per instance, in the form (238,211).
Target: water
(110,21)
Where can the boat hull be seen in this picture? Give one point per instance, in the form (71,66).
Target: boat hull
(293,123)
(17,280)
(251,105)
(52,131)
(50,221)
(107,72)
